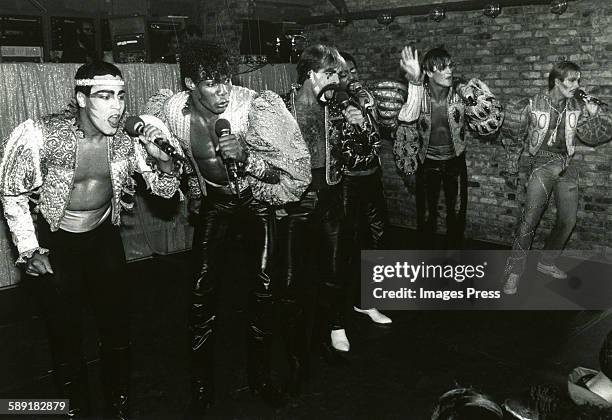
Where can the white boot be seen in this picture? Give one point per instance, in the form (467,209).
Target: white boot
(374,315)
(339,340)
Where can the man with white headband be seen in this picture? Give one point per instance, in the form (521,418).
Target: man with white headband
(74,171)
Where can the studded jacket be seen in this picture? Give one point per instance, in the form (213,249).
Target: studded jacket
(38,166)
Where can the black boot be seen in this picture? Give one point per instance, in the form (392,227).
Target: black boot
(115,372)
(202,398)
(293,329)
(259,350)
(74,385)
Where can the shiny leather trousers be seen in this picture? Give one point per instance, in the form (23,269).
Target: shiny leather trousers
(365,218)
(219,212)
(449,176)
(310,237)
(88,267)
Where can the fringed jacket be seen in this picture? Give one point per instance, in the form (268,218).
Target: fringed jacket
(38,165)
(266,129)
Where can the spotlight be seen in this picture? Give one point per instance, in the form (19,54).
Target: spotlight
(492,10)
(558,7)
(437,14)
(384,18)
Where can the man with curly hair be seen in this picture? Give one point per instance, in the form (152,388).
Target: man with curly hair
(240,169)
(550,122)
(433,120)
(76,168)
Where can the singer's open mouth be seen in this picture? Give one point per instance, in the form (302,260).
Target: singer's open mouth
(223,104)
(113,120)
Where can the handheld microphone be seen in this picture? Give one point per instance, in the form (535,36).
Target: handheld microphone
(343,100)
(356,89)
(224,128)
(134,126)
(581,94)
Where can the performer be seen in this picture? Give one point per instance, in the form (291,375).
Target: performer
(362,189)
(75,169)
(262,162)
(441,107)
(312,225)
(551,121)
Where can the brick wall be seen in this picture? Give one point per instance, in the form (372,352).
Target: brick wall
(512,54)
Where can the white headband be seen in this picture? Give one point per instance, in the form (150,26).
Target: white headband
(95,82)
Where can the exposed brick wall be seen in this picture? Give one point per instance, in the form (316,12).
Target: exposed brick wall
(512,54)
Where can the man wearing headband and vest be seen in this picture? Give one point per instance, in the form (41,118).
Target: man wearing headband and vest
(550,122)
(74,170)
(247,155)
(432,123)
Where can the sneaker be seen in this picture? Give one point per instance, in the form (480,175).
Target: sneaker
(511,284)
(552,270)
(339,340)
(374,315)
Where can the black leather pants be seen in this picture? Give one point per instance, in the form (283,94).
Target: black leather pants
(216,216)
(312,229)
(88,267)
(450,176)
(363,203)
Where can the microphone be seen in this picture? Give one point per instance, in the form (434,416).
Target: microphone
(356,89)
(224,128)
(581,94)
(134,126)
(343,100)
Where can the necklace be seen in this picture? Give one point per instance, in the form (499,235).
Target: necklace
(553,136)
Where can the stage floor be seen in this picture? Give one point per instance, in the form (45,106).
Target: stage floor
(396,372)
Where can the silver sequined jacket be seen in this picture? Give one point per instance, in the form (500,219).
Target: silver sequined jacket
(39,159)
(266,129)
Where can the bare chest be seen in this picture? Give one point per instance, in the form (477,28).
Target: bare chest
(204,146)
(92,161)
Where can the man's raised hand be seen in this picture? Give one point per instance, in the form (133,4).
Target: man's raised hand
(409,64)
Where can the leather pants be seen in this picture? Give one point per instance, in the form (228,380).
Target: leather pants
(87,266)
(450,176)
(218,213)
(312,228)
(362,201)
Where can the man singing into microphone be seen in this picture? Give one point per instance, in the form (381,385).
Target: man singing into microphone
(550,122)
(260,145)
(75,170)
(313,224)
(362,190)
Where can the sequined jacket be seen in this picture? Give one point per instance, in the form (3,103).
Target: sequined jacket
(39,159)
(334,167)
(418,109)
(262,124)
(529,119)
(536,123)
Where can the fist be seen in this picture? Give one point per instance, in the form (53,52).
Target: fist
(38,264)
(150,133)
(230,148)
(353,116)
